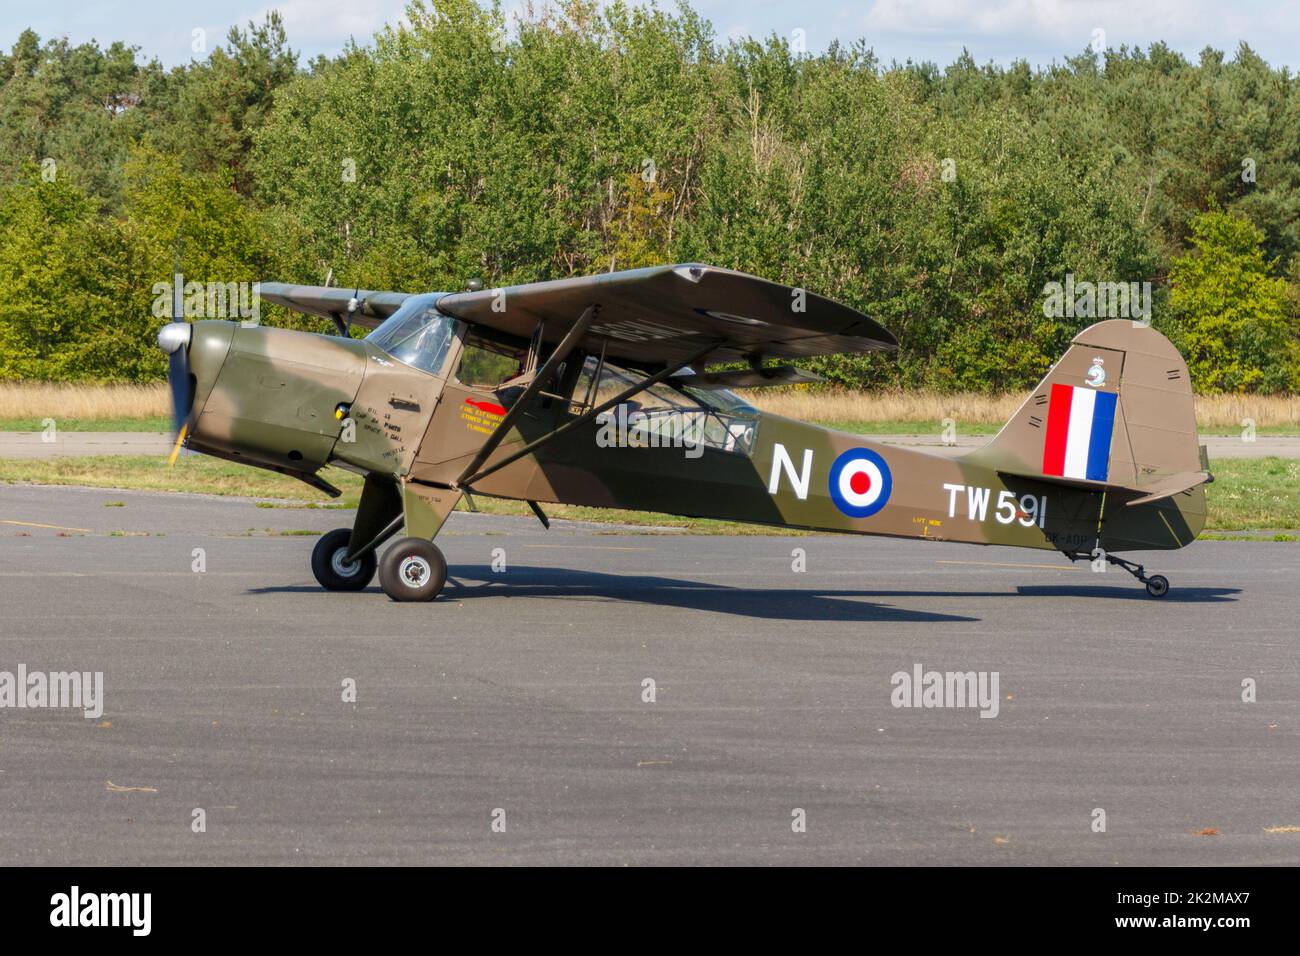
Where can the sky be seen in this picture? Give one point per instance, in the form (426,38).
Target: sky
(1041,31)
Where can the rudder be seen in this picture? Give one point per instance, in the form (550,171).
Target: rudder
(1115,412)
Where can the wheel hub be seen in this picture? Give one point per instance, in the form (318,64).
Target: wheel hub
(344,569)
(414,571)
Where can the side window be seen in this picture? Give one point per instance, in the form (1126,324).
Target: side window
(614,380)
(720,421)
(486,364)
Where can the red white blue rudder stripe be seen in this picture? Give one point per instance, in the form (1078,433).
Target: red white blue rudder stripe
(1080,422)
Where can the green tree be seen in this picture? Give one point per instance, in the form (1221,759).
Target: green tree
(81,288)
(223,101)
(65,277)
(1230,316)
(78,108)
(591,136)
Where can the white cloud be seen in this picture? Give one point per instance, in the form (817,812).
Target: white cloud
(326,25)
(1068,25)
(1040,31)
(1000,30)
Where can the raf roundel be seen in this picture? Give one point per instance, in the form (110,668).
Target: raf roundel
(860,482)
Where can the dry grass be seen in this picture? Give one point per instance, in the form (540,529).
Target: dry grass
(1212,411)
(1267,411)
(847,406)
(28,400)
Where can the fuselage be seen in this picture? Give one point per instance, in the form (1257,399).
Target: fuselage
(294,402)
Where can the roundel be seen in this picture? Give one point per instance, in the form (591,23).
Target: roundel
(860,482)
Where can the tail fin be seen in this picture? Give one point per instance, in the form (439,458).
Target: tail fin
(1114,413)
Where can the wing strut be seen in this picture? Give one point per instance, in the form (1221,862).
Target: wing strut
(540,381)
(634,389)
(541,515)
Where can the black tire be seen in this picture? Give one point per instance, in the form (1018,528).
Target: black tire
(1157,585)
(331,571)
(413,569)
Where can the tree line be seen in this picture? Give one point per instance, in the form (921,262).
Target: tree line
(950,203)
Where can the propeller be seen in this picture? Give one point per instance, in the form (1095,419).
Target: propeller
(174,339)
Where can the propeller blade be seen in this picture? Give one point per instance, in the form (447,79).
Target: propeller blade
(182,387)
(176,448)
(174,339)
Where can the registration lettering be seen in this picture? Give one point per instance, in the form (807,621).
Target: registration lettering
(974,503)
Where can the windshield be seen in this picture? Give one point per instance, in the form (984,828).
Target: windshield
(417,334)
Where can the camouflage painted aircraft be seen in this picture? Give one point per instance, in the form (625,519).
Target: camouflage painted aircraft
(585,391)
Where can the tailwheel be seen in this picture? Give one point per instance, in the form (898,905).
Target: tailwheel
(1157,585)
(332,569)
(413,569)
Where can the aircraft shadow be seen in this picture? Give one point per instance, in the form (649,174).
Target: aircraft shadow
(469,582)
(792,604)
(1136,592)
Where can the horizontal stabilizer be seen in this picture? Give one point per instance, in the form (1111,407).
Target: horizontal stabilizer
(1173,485)
(1165,487)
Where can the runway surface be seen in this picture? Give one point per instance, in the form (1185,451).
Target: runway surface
(522,691)
(77,444)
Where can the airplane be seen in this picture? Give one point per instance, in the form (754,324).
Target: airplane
(593,391)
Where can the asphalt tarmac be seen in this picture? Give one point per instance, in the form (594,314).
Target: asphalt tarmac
(519,697)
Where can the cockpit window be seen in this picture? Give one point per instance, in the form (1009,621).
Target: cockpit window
(416,334)
(718,419)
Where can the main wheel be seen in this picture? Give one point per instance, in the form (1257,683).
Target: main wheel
(330,568)
(413,569)
(1157,585)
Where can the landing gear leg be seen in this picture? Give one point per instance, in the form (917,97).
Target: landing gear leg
(413,568)
(344,559)
(330,564)
(1157,584)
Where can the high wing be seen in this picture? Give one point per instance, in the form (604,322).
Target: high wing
(664,314)
(647,317)
(330,302)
